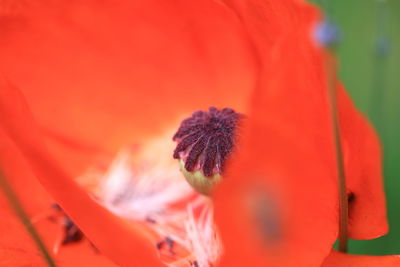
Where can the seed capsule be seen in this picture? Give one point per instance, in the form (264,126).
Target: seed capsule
(204,142)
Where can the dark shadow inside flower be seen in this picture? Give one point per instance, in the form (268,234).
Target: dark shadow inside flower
(70,233)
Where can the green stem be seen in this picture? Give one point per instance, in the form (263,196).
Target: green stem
(343,200)
(341,176)
(20,212)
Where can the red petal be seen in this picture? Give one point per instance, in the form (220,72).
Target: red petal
(108,74)
(347,260)
(362,156)
(82,254)
(16,246)
(125,244)
(288,154)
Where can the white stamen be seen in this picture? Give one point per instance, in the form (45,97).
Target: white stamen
(202,237)
(154,192)
(142,194)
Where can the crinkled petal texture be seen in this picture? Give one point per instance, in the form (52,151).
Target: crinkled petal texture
(278,205)
(100,74)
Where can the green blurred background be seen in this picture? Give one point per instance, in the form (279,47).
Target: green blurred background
(369,53)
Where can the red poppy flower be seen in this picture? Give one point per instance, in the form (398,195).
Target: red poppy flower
(98,75)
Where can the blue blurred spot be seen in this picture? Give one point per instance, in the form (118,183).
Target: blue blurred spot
(327,34)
